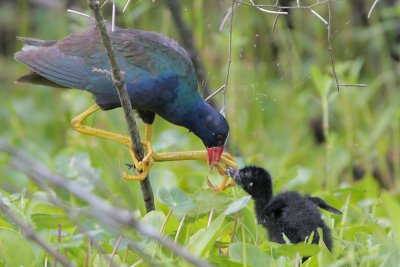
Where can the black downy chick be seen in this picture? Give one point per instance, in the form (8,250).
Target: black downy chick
(290,213)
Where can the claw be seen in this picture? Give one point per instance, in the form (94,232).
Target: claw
(221,170)
(223,186)
(142,166)
(141,176)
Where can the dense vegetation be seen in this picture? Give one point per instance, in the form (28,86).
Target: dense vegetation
(285,114)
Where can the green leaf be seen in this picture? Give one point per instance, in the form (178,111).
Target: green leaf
(292,249)
(201,242)
(204,200)
(248,255)
(325,257)
(393,212)
(51,221)
(222,260)
(175,199)
(15,250)
(103,260)
(237,205)
(154,219)
(71,243)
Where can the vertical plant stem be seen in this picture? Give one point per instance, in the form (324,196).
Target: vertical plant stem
(119,82)
(328,146)
(243,245)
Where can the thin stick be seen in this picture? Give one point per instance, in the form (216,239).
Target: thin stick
(267,10)
(210,218)
(353,85)
(275,22)
(114,250)
(79,13)
(229,59)
(282,7)
(179,228)
(119,82)
(330,48)
(215,92)
(28,232)
(113,16)
(59,229)
(372,8)
(126,6)
(319,16)
(233,234)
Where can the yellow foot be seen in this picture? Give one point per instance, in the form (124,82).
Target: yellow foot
(224,185)
(228,161)
(144,165)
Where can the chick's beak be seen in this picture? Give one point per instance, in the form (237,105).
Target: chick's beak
(233,173)
(214,155)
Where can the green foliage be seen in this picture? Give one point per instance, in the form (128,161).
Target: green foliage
(248,255)
(175,199)
(280,84)
(15,250)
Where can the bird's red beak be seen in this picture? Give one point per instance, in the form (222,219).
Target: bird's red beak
(214,155)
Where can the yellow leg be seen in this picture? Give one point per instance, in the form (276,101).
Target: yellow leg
(146,163)
(78,125)
(143,166)
(226,161)
(147,133)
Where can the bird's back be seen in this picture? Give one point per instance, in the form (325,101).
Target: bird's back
(143,56)
(297,218)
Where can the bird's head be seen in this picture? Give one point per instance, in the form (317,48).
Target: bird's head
(254,180)
(212,128)
(215,141)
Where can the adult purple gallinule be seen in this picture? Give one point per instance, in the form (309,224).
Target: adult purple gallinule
(160,79)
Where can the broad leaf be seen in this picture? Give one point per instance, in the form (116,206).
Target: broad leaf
(248,255)
(175,199)
(15,250)
(201,242)
(237,205)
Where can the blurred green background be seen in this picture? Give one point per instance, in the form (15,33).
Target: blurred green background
(284,110)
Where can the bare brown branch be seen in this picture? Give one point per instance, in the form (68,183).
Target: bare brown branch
(119,82)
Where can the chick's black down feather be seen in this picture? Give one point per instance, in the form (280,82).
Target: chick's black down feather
(287,213)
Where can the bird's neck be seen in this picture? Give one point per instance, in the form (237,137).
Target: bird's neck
(262,200)
(193,119)
(261,203)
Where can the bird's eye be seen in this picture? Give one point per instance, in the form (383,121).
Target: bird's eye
(251,184)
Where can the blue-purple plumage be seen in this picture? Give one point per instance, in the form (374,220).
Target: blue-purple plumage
(159,74)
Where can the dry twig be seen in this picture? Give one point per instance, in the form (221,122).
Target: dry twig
(372,8)
(119,82)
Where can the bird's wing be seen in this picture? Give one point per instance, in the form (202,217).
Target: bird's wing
(70,62)
(48,60)
(275,207)
(323,205)
(152,52)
